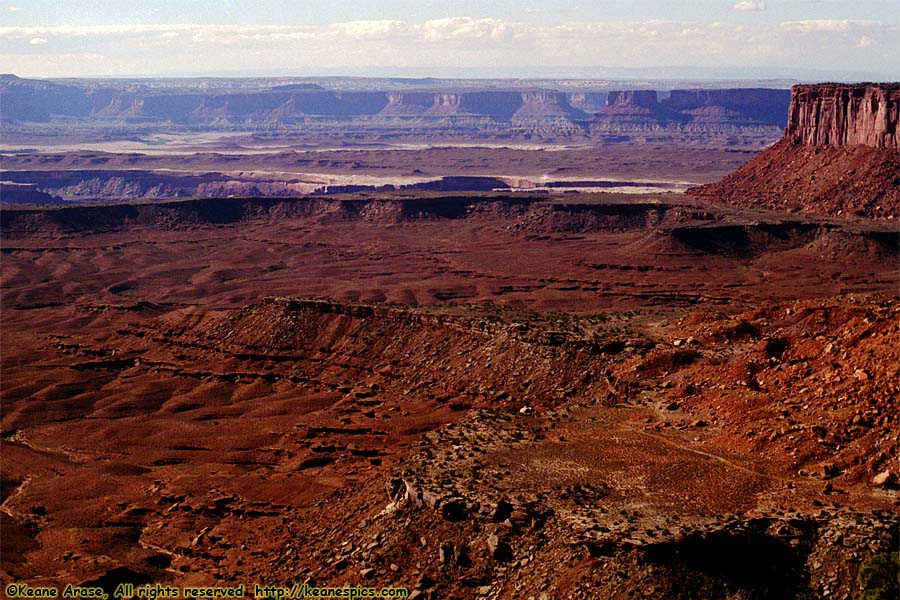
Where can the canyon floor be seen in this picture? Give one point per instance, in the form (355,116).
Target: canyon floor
(253,170)
(470,395)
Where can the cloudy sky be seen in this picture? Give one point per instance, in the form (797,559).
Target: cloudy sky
(54,38)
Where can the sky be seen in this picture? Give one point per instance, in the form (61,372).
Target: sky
(80,38)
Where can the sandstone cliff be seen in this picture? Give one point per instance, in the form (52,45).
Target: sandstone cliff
(839,155)
(845,115)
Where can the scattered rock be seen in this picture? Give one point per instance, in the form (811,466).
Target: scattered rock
(395,489)
(886,480)
(424,582)
(501,511)
(445,553)
(830,470)
(519,518)
(462,557)
(455,509)
(500,550)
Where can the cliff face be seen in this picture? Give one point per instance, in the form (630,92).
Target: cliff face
(587,101)
(694,111)
(636,98)
(845,115)
(548,104)
(755,104)
(839,155)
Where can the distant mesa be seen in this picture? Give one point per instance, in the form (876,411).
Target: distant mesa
(711,111)
(548,104)
(839,156)
(749,105)
(573,111)
(295,87)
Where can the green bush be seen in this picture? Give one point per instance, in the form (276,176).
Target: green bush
(879,577)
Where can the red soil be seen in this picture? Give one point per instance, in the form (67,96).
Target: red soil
(825,180)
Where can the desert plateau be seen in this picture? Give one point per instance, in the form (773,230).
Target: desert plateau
(449,338)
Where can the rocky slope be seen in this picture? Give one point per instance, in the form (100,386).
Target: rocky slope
(471,452)
(839,155)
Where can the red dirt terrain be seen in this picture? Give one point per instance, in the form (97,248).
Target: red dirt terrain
(489,395)
(470,395)
(854,180)
(839,155)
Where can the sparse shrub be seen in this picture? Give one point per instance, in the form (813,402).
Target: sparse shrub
(879,577)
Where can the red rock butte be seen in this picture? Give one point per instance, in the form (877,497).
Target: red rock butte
(845,115)
(838,156)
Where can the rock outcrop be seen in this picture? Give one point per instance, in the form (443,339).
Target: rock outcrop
(839,155)
(633,98)
(25,193)
(845,115)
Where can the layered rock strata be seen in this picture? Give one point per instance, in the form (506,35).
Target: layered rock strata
(845,115)
(839,155)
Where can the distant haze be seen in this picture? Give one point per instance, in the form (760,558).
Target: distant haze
(808,40)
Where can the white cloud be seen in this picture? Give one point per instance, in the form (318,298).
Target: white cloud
(450,42)
(456,28)
(826,25)
(436,30)
(747,5)
(370,30)
(531,10)
(93,30)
